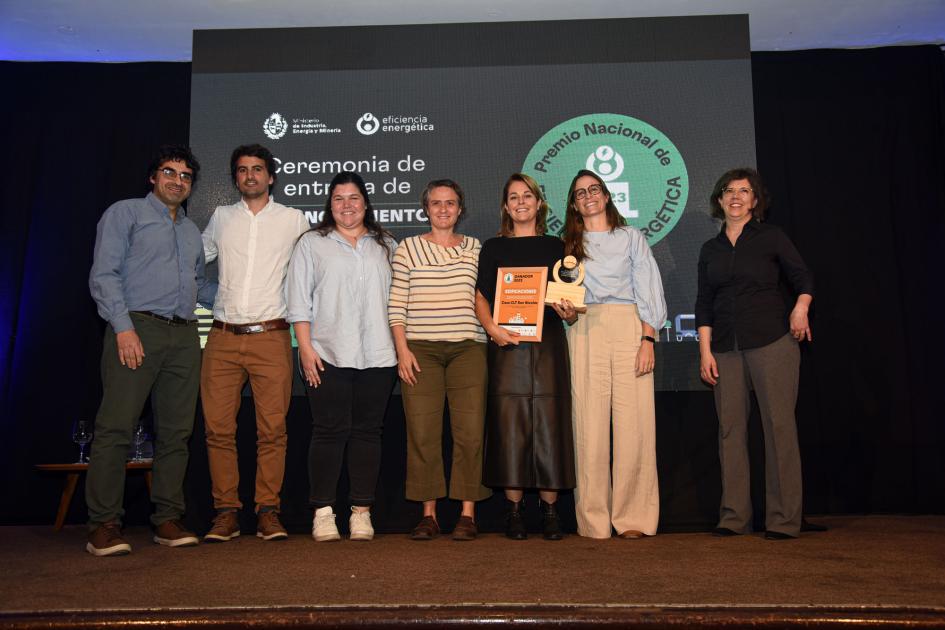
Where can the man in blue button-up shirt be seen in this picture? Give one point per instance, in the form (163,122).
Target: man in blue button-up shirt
(146,278)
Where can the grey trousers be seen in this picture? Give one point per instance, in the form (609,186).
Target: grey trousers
(772,371)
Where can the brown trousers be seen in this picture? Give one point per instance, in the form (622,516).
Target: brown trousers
(607,396)
(454,372)
(228,360)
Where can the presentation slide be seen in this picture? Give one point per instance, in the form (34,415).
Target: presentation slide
(658,107)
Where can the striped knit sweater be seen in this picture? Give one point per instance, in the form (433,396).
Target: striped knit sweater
(434,289)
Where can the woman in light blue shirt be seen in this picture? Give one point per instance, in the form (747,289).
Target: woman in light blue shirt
(612,361)
(337,288)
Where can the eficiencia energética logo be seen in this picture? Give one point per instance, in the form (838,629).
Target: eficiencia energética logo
(369,124)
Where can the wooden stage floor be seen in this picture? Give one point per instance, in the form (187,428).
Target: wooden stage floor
(885,570)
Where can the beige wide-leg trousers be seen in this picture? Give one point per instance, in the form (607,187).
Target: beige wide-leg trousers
(605,392)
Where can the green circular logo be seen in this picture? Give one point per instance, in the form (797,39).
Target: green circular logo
(643,169)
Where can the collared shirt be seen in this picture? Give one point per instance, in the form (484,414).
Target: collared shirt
(253,252)
(144,261)
(740,295)
(620,269)
(342,291)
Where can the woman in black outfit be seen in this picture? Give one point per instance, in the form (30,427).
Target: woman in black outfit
(529,441)
(749,340)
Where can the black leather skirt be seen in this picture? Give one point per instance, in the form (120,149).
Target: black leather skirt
(529,443)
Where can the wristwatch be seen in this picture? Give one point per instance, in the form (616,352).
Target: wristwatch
(647,338)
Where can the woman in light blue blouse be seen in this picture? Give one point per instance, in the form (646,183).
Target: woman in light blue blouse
(612,361)
(337,288)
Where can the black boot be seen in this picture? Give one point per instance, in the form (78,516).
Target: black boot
(514,523)
(550,524)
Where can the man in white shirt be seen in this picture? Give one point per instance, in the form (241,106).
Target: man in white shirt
(252,240)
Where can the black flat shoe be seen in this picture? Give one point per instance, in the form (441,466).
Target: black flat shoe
(772,535)
(807,526)
(550,523)
(724,532)
(514,523)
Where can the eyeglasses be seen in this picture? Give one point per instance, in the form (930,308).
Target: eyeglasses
(187,178)
(581,193)
(730,192)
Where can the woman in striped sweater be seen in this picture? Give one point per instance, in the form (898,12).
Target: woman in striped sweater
(441,355)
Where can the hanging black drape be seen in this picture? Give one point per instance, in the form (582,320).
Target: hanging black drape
(78,136)
(852,146)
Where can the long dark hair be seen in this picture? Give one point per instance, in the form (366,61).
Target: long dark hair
(541,219)
(574,222)
(327,224)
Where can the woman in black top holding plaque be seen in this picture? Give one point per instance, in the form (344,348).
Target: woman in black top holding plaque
(528,419)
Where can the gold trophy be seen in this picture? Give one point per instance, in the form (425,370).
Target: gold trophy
(559,290)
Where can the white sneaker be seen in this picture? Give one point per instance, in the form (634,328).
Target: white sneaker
(360,525)
(323,526)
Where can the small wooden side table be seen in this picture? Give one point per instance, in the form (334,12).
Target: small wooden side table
(72,478)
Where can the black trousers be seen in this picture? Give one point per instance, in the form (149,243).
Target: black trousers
(347,414)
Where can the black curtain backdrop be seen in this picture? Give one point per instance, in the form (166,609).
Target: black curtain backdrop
(852,146)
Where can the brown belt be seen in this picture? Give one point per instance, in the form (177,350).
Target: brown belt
(251,329)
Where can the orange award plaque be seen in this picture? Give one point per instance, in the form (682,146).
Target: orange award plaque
(520,300)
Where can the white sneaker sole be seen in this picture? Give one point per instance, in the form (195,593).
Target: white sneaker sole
(365,536)
(188,541)
(115,550)
(327,537)
(214,538)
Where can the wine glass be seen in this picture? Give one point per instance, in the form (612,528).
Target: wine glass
(82,435)
(140,437)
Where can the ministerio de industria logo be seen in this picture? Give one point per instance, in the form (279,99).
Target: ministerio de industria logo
(275,126)
(643,170)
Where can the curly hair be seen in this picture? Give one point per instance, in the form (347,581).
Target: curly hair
(173,153)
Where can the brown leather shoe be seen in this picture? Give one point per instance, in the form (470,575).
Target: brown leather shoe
(226,526)
(106,540)
(268,526)
(465,529)
(631,534)
(426,529)
(172,533)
